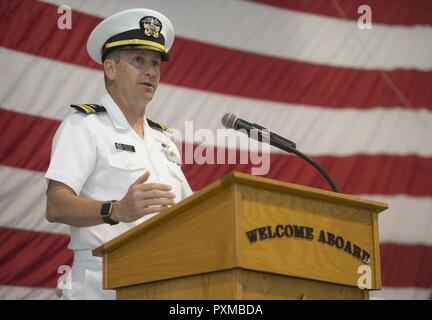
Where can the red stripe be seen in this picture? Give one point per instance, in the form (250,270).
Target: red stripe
(357,174)
(227,71)
(406,265)
(26,142)
(30,26)
(395,12)
(32,258)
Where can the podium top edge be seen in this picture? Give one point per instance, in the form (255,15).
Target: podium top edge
(330,196)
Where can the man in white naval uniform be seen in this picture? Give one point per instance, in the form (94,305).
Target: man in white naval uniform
(111,168)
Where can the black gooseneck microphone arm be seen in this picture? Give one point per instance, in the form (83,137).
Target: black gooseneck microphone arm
(286,147)
(231,121)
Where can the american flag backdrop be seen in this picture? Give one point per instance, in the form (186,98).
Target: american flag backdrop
(358,101)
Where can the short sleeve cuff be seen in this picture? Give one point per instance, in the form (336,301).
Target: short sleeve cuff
(71,182)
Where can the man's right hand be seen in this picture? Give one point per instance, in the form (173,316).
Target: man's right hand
(142,199)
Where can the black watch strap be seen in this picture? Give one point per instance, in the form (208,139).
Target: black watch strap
(105,212)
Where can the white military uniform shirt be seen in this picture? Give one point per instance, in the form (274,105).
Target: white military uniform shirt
(85,157)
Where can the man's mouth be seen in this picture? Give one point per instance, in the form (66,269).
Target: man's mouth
(147,84)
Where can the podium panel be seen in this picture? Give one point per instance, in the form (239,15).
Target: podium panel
(310,238)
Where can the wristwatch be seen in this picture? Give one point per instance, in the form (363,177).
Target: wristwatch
(105,212)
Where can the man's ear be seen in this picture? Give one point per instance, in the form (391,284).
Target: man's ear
(109,66)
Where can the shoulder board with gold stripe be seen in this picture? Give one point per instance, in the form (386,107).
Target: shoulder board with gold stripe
(158,126)
(88,108)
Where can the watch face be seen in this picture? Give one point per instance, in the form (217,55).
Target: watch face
(106,213)
(106,209)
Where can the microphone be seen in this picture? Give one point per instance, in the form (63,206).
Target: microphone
(231,121)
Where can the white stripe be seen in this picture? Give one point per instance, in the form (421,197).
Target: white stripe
(388,293)
(44,87)
(407,221)
(317,130)
(23,201)
(284,33)
(26,293)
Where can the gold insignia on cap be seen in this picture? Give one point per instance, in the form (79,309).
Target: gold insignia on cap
(152,27)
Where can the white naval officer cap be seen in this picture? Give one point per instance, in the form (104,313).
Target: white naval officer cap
(131,29)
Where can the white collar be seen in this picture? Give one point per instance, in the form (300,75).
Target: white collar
(115,113)
(120,122)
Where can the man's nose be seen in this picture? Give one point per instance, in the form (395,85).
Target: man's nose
(150,71)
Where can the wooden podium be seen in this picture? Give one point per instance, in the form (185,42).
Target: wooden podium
(245,237)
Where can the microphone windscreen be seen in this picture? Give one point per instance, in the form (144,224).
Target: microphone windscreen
(229,120)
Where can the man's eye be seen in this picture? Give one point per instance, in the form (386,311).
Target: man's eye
(138,59)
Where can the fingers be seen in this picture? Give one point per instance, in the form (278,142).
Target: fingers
(154,186)
(142,178)
(155,202)
(145,198)
(154,194)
